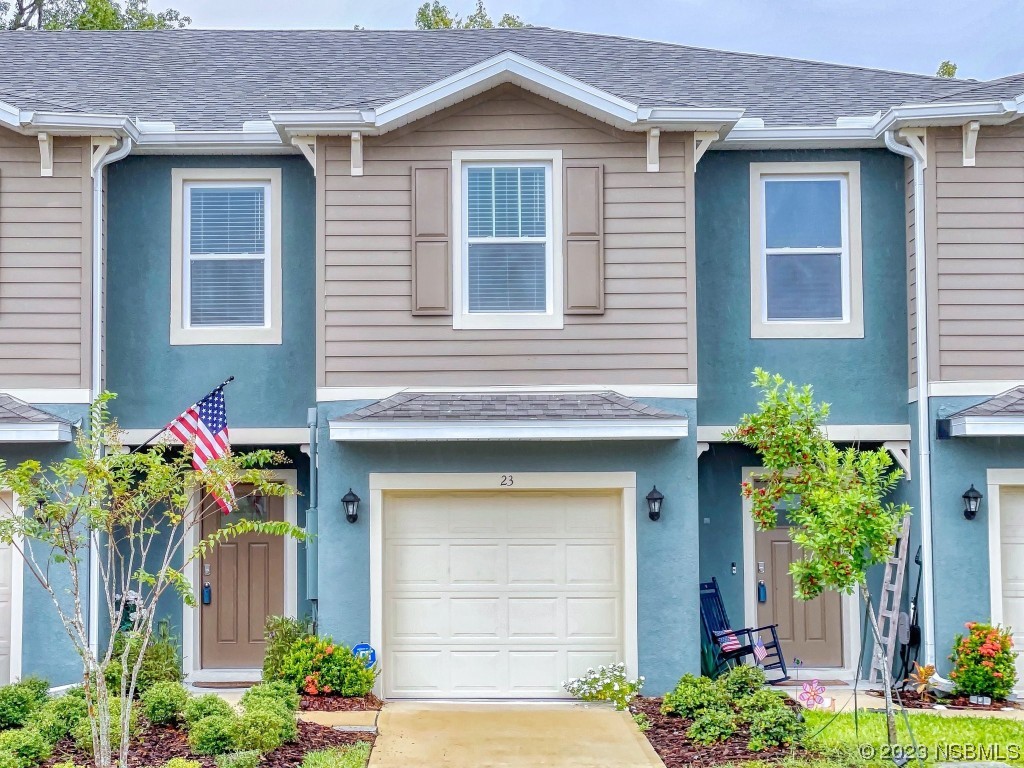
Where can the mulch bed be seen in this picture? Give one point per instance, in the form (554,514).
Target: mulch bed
(340,703)
(156,745)
(667,735)
(913,700)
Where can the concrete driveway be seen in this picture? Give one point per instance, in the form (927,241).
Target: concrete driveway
(512,735)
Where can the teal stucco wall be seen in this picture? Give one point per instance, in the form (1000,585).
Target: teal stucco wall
(669,623)
(274,383)
(864,379)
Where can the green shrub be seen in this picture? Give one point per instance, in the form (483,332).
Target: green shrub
(355,756)
(774,728)
(693,696)
(764,700)
(265,728)
(82,733)
(213,735)
(606,683)
(280,633)
(247,759)
(28,745)
(711,727)
(983,662)
(19,700)
(279,691)
(164,702)
(11,760)
(182,762)
(317,666)
(643,722)
(58,716)
(742,680)
(160,663)
(204,706)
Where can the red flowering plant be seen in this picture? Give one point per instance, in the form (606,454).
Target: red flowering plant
(835,498)
(983,662)
(317,666)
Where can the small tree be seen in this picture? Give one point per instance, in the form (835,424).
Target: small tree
(132,512)
(436,15)
(946,69)
(835,498)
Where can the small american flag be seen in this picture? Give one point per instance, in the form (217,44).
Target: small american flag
(759,650)
(206,424)
(728,641)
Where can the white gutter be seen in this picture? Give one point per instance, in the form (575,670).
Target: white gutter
(96,381)
(520,429)
(924,471)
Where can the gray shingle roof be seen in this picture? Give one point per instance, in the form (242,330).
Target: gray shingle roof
(1009,87)
(216,79)
(478,406)
(15,411)
(1009,403)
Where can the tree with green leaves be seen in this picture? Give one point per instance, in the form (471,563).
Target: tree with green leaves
(133,512)
(946,69)
(87,14)
(836,499)
(435,15)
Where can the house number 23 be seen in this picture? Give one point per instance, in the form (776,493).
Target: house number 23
(506,481)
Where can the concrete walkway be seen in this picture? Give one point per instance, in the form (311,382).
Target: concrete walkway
(508,736)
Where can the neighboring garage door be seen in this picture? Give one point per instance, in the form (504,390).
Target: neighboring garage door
(1011,544)
(499,595)
(7,562)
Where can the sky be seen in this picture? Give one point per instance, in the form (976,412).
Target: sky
(983,37)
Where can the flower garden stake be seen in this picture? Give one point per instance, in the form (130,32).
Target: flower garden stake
(834,498)
(813,694)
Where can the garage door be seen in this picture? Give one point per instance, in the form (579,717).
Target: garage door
(499,595)
(7,561)
(1011,523)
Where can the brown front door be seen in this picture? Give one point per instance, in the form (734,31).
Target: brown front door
(246,578)
(811,631)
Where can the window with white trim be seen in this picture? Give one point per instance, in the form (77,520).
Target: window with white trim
(806,250)
(507,274)
(227,286)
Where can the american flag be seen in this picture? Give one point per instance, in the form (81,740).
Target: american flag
(728,641)
(206,424)
(759,650)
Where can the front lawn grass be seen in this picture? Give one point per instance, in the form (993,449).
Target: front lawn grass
(354,756)
(839,746)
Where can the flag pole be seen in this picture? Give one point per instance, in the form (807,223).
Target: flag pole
(163,429)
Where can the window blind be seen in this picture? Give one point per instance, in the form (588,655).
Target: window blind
(805,286)
(227,220)
(227,292)
(509,277)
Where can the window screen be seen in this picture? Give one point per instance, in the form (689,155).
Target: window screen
(506,239)
(805,249)
(227,248)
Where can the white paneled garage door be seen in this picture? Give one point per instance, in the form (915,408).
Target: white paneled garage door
(499,595)
(1011,544)
(7,562)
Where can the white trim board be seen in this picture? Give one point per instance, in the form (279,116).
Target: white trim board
(36,432)
(239,436)
(850,603)
(971,388)
(50,396)
(666,391)
(191,644)
(17,591)
(380,483)
(986,426)
(373,430)
(839,433)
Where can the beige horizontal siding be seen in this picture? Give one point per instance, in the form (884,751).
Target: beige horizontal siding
(44,264)
(369,335)
(911,274)
(978,231)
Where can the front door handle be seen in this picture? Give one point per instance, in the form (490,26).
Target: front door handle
(207,593)
(762,592)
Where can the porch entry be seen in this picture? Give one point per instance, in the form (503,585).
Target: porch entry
(1011,576)
(246,583)
(811,631)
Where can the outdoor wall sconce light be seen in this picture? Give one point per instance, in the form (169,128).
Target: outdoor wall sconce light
(351,503)
(972,501)
(654,499)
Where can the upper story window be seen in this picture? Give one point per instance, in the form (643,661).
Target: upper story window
(507,263)
(805,251)
(226,264)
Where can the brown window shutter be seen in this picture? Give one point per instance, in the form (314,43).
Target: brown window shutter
(431,240)
(583,241)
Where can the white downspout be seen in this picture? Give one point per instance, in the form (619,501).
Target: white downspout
(96,380)
(924,471)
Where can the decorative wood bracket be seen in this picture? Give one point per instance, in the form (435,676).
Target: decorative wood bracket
(701,448)
(45,154)
(357,154)
(701,141)
(101,145)
(653,152)
(900,450)
(970,131)
(307,146)
(917,140)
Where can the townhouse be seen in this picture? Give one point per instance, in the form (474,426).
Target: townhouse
(506,288)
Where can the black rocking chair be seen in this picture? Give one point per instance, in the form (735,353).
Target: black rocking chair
(715,623)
